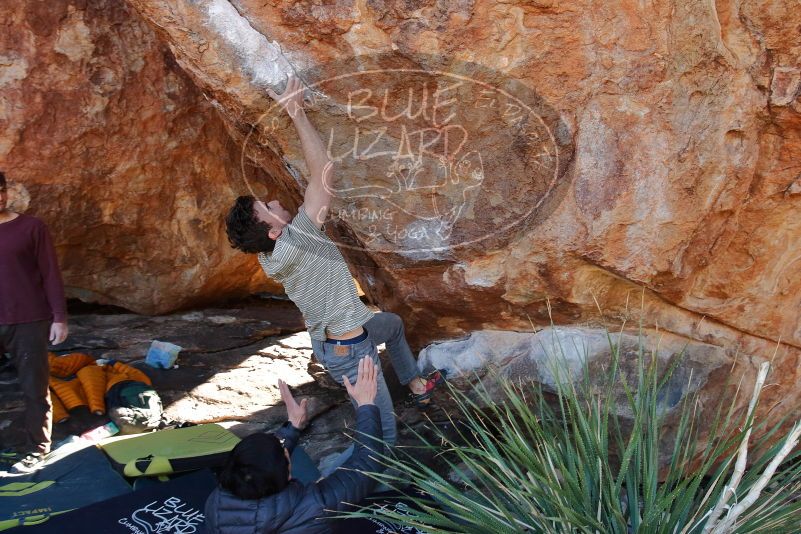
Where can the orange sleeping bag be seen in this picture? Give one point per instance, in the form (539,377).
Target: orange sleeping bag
(90,384)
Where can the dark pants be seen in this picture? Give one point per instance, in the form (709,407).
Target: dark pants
(27,344)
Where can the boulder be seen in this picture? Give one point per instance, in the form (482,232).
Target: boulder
(558,356)
(614,163)
(109,141)
(561,358)
(498,166)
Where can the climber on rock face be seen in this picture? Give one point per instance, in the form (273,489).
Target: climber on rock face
(296,252)
(32,310)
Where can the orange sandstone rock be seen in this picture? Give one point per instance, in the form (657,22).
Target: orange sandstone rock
(105,138)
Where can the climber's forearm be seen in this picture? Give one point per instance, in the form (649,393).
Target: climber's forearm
(313,148)
(317,198)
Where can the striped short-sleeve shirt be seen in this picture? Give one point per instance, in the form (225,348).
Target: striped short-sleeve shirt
(315,276)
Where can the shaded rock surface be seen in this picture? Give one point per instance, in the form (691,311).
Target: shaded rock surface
(127,337)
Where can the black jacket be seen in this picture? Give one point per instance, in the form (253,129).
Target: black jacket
(298,508)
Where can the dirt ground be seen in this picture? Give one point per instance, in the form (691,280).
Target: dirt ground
(227,372)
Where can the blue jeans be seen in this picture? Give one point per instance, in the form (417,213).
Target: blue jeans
(383,327)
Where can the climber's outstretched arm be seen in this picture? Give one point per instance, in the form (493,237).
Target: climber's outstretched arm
(317,198)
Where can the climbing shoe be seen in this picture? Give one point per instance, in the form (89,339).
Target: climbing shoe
(423,400)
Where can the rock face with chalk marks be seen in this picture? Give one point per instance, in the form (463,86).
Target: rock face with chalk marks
(497,164)
(660,147)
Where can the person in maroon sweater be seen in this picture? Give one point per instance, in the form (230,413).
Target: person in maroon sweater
(32,311)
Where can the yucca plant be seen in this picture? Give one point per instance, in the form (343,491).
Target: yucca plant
(529,460)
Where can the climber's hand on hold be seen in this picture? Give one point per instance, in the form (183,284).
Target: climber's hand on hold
(292,97)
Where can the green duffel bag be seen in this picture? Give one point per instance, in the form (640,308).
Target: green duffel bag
(135,407)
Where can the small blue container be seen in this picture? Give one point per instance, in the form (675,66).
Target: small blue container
(162,355)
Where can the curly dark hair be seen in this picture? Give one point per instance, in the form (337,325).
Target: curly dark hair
(255,468)
(245,231)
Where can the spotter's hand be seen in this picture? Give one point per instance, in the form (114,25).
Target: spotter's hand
(296,413)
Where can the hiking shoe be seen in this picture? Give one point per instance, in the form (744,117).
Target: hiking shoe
(423,400)
(28,463)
